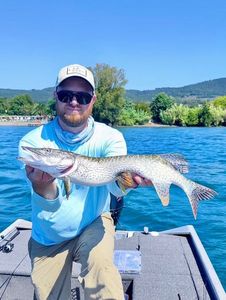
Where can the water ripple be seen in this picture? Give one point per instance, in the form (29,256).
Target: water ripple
(204,148)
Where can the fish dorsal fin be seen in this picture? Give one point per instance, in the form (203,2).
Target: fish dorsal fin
(177,161)
(162,189)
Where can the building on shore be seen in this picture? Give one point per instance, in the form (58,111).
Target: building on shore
(26,119)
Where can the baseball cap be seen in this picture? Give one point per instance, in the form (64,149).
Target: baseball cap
(75,70)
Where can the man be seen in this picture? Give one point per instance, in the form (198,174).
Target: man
(81,228)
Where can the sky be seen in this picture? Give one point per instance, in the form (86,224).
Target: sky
(158,43)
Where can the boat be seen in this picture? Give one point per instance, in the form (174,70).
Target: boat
(165,265)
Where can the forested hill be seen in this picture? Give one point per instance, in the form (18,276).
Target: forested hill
(37,95)
(203,90)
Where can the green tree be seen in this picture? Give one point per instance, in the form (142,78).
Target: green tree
(168,116)
(20,105)
(224,117)
(211,115)
(193,116)
(161,103)
(144,106)
(175,115)
(131,114)
(141,117)
(4,106)
(127,115)
(39,109)
(180,115)
(110,92)
(51,107)
(220,102)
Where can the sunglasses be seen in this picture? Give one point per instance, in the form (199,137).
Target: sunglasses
(81,97)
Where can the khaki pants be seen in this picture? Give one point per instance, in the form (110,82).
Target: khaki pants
(93,249)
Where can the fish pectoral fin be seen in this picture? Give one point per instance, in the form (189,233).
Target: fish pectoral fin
(162,189)
(125,180)
(121,186)
(67,186)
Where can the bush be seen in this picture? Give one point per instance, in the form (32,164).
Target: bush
(211,115)
(220,102)
(130,115)
(181,115)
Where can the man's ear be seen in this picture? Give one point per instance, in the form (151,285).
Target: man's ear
(94,98)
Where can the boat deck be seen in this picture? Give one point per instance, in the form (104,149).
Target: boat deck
(170,265)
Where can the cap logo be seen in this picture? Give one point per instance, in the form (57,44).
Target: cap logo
(77,71)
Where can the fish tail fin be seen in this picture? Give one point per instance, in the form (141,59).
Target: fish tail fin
(197,192)
(162,189)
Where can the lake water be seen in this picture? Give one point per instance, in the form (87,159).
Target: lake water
(205,149)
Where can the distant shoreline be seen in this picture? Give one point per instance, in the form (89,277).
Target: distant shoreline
(151,124)
(147,125)
(21,123)
(35,123)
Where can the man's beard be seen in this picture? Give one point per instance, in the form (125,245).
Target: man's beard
(74,120)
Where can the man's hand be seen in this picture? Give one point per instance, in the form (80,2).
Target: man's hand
(129,180)
(42,183)
(141,181)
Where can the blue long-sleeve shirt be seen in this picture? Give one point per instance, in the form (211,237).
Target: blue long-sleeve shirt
(54,221)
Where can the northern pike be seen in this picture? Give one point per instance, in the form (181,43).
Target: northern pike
(163,170)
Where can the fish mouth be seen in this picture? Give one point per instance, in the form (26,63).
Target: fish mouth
(28,161)
(67,171)
(32,150)
(33,154)
(49,161)
(56,173)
